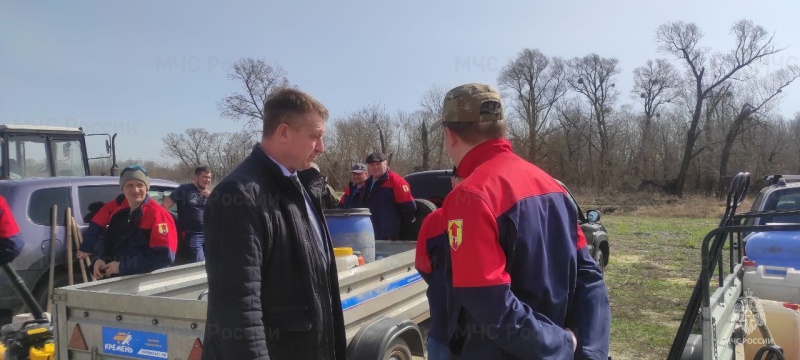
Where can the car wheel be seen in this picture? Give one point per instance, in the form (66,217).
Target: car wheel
(600,259)
(59,280)
(424,208)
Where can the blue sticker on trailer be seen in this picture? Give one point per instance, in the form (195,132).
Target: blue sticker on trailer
(359,299)
(135,344)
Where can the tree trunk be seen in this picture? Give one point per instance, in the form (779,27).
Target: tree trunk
(733,132)
(532,122)
(643,143)
(691,138)
(426,149)
(605,161)
(382,139)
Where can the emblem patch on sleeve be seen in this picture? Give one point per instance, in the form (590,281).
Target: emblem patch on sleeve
(163,229)
(454,232)
(405,188)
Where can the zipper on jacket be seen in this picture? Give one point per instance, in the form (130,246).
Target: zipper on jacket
(325,307)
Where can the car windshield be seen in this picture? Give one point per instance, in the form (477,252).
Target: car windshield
(783,199)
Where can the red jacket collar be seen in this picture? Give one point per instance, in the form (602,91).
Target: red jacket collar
(482,153)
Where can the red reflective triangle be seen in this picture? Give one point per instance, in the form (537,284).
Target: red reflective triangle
(76,341)
(197,350)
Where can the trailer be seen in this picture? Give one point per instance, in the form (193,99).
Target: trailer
(161,315)
(737,310)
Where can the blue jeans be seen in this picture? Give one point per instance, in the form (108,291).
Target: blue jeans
(437,350)
(192,249)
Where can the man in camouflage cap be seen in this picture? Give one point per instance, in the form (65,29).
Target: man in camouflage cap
(559,308)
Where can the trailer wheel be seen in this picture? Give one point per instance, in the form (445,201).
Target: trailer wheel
(387,339)
(398,350)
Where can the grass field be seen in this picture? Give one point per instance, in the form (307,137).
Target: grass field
(654,264)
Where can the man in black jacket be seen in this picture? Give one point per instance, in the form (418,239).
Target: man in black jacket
(273,286)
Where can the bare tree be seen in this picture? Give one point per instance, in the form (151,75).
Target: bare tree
(258,79)
(535,83)
(680,39)
(794,130)
(228,150)
(191,148)
(346,142)
(353,137)
(417,150)
(654,86)
(593,77)
(761,94)
(376,115)
(766,147)
(432,140)
(222,151)
(576,135)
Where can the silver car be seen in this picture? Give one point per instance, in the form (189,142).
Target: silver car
(31,202)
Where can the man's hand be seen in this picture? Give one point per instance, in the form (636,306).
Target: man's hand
(81,254)
(574,340)
(206,193)
(98,268)
(111,268)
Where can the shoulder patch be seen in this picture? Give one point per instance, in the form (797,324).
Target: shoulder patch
(406,189)
(163,229)
(455,229)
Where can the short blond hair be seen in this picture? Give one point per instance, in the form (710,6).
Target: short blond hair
(284,104)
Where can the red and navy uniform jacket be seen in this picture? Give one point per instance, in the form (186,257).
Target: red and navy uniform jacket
(353,197)
(99,222)
(432,252)
(10,240)
(520,271)
(142,240)
(390,204)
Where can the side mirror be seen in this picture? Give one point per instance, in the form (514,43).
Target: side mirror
(593,215)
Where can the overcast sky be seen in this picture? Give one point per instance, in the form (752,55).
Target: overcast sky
(147,68)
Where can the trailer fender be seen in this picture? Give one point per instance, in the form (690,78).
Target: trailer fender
(386,336)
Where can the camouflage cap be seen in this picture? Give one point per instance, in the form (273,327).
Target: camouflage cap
(471,103)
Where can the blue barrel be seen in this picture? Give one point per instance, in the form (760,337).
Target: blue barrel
(352,228)
(774,248)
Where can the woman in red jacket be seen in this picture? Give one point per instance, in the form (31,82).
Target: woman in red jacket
(10,240)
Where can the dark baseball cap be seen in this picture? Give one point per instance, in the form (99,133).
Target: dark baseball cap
(376,157)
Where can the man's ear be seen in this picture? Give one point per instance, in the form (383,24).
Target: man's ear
(282,132)
(450,138)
